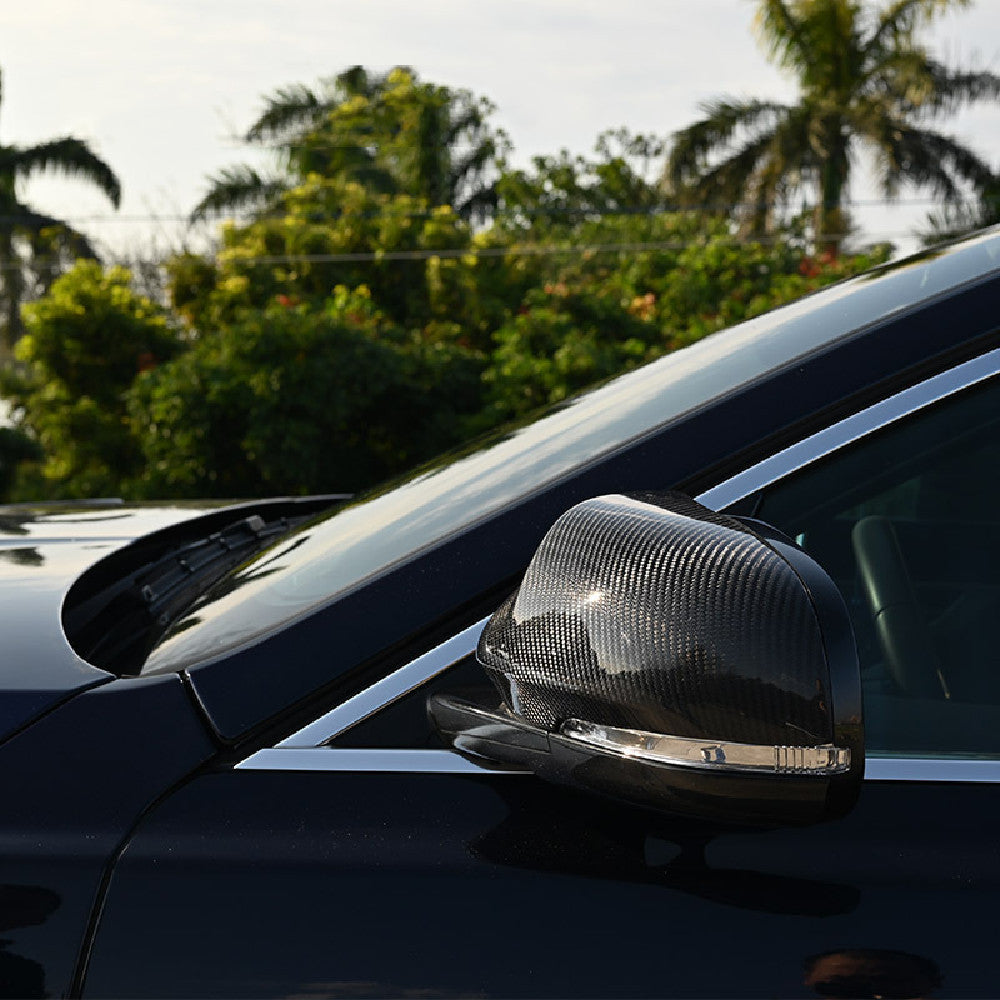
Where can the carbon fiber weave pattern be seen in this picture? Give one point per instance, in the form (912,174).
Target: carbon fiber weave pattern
(661,616)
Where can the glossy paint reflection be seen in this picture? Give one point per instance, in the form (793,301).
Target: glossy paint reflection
(872,974)
(22,906)
(586,837)
(72,786)
(502,886)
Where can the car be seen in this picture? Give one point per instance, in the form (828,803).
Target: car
(244,749)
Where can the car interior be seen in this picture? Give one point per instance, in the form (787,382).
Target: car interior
(906,523)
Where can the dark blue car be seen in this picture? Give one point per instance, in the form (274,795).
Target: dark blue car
(733,730)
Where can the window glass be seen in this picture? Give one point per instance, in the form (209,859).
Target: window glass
(907,522)
(404,723)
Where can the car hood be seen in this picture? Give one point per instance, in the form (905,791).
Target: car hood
(43,549)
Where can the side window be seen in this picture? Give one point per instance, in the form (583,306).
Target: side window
(907,522)
(404,723)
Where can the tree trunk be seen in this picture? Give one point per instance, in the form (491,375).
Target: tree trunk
(832,223)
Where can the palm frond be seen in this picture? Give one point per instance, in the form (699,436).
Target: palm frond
(238,189)
(35,249)
(471,166)
(781,34)
(729,186)
(466,117)
(900,78)
(42,229)
(957,219)
(725,120)
(355,81)
(835,45)
(951,90)
(757,179)
(286,113)
(928,159)
(69,156)
(899,20)
(479,206)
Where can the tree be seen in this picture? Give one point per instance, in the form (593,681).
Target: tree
(567,189)
(562,340)
(300,398)
(84,343)
(392,133)
(865,83)
(335,232)
(676,278)
(35,247)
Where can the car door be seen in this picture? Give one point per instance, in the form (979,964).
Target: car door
(356,858)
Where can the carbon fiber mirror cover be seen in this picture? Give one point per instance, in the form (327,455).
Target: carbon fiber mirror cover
(659,615)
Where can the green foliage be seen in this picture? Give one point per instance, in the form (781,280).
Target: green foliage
(561,341)
(423,265)
(327,235)
(396,290)
(294,399)
(458,329)
(16,447)
(652,284)
(84,344)
(565,189)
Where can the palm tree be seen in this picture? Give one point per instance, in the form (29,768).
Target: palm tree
(34,246)
(390,132)
(865,84)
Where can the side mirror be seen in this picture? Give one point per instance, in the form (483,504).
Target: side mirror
(677,659)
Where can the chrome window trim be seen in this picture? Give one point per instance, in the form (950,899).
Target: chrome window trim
(305,750)
(950,770)
(850,429)
(369,761)
(947,769)
(389,689)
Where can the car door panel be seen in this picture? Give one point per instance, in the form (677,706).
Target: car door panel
(361,884)
(73,786)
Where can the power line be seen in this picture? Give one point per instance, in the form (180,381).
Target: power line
(585,214)
(515,250)
(523,250)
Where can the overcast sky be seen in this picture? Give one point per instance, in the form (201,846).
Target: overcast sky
(160,87)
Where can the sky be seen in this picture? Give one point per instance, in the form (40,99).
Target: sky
(162,88)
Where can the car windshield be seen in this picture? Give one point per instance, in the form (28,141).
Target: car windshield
(326,560)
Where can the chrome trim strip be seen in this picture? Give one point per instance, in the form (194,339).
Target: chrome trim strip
(387,690)
(709,755)
(370,762)
(837,435)
(950,769)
